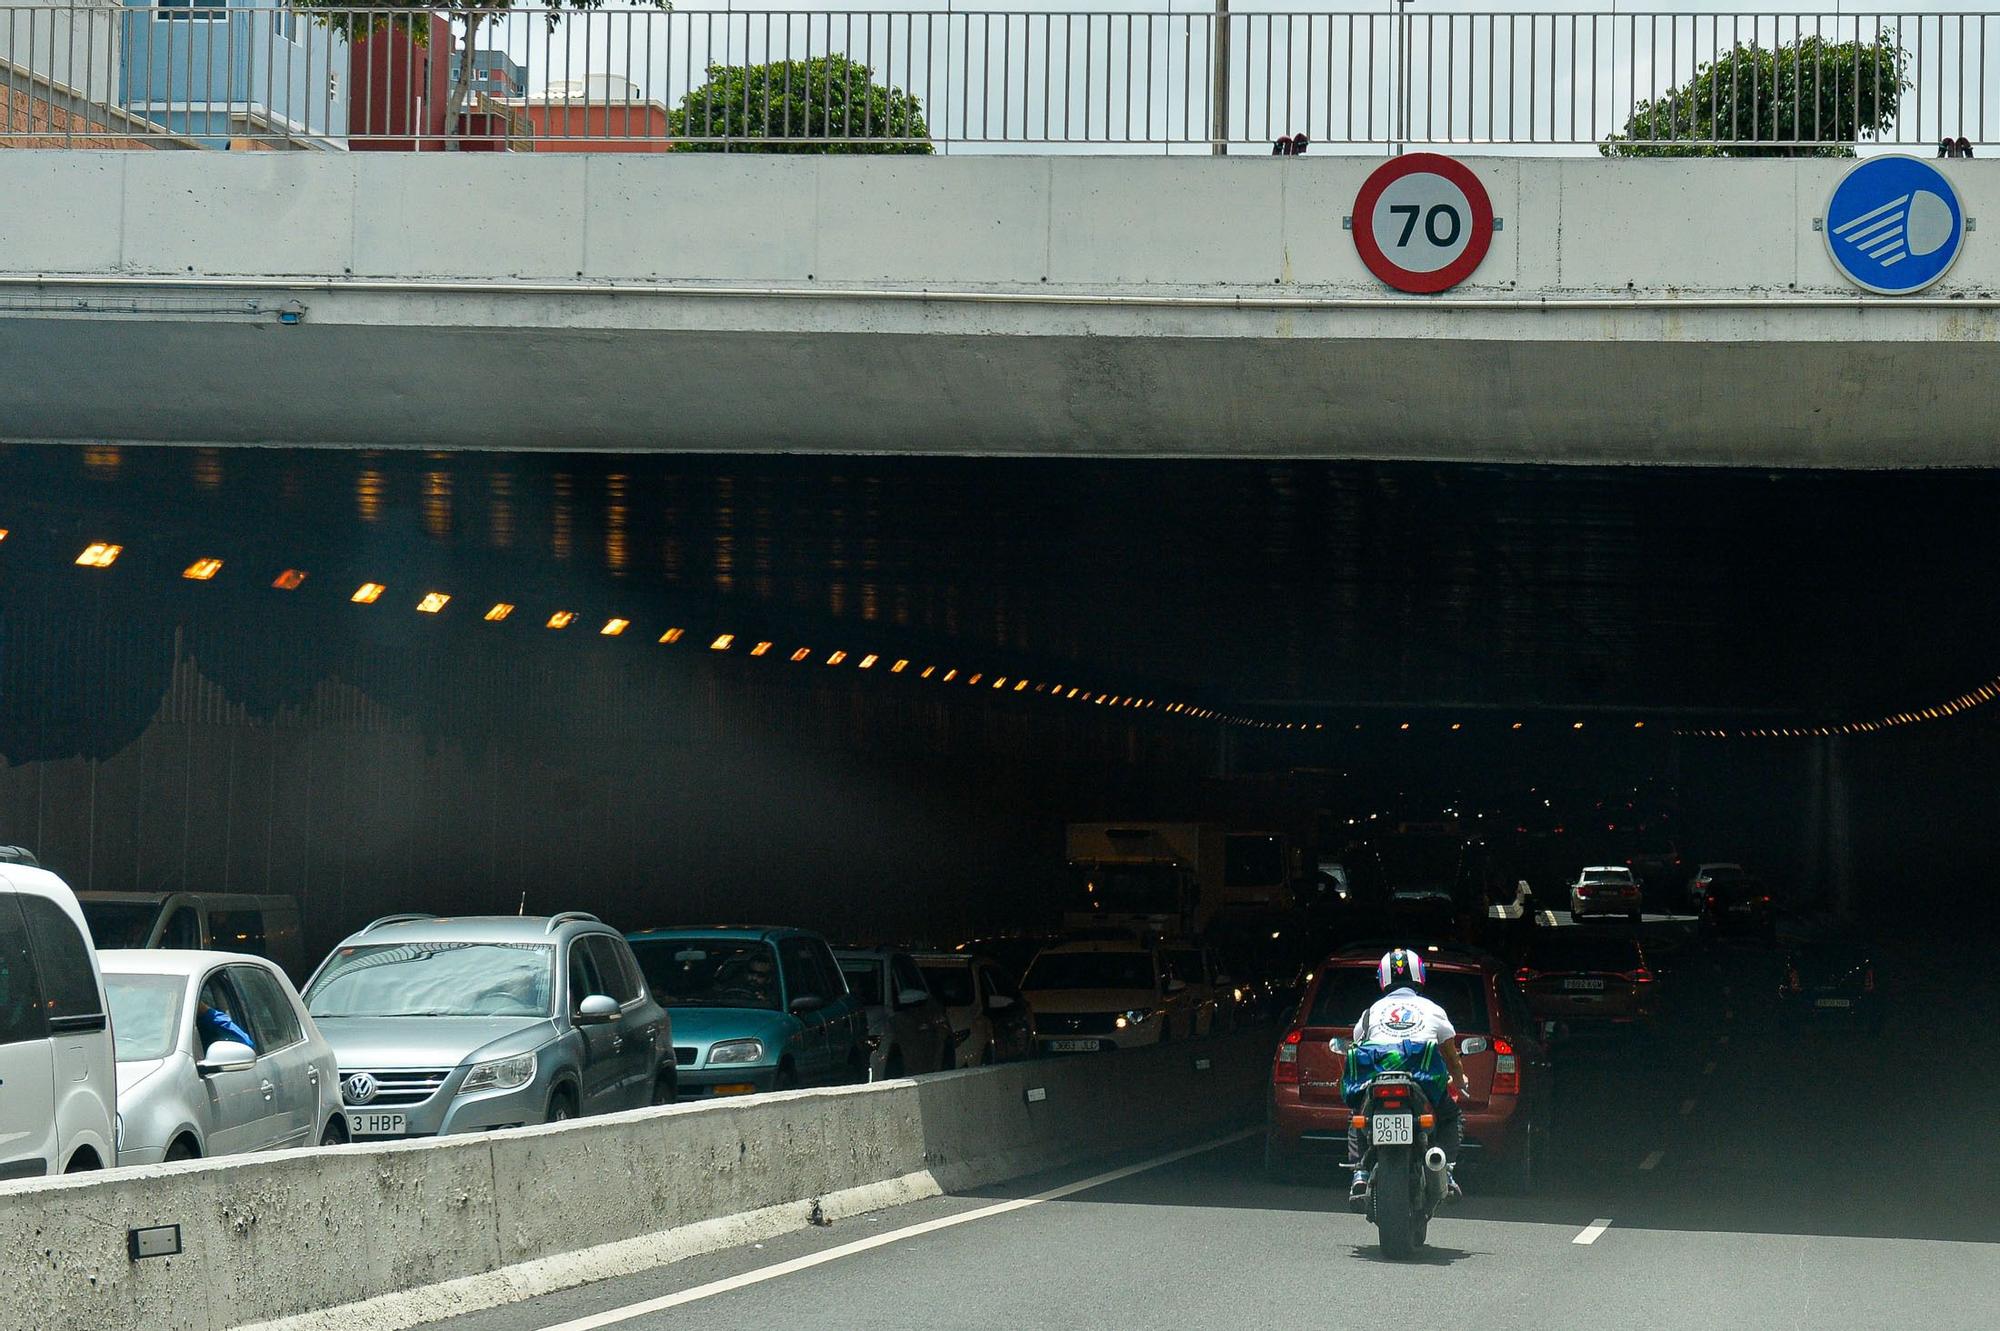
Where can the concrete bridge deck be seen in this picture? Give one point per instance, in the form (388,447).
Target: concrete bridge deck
(1629,311)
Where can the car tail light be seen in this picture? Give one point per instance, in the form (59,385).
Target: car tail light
(1868,981)
(1285,1072)
(1525,974)
(1792,978)
(1506,1070)
(1640,976)
(1763,901)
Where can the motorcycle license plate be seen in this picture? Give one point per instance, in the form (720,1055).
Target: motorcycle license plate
(1394,1129)
(1835,1002)
(1583,984)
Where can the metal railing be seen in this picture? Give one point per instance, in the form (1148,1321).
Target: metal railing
(1008,80)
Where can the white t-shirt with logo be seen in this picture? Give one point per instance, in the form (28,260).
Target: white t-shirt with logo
(1403,1014)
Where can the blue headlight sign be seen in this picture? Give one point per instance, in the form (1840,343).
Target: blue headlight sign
(1894,225)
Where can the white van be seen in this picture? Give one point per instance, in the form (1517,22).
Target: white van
(59,1103)
(263,926)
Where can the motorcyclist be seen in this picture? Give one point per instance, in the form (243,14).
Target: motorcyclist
(1400,1021)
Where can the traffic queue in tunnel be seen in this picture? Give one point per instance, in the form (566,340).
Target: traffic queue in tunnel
(206,1032)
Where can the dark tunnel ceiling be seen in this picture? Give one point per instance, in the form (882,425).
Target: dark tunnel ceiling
(1815,594)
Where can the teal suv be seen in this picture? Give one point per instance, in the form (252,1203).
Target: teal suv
(754,1009)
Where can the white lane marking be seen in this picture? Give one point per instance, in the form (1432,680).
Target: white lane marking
(1652,1160)
(1708,1069)
(1687,1107)
(1591,1231)
(796,1264)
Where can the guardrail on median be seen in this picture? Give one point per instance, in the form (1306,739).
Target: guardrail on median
(633,79)
(412,1231)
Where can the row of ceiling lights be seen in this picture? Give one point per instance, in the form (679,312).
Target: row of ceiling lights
(1964,702)
(103,554)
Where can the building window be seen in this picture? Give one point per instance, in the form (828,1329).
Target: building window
(178,9)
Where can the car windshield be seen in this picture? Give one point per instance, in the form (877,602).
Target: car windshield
(1345,992)
(1090,970)
(120,923)
(1584,954)
(952,984)
(864,979)
(710,972)
(1607,875)
(436,979)
(145,1014)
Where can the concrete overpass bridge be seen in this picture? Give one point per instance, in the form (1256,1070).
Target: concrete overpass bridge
(1678,311)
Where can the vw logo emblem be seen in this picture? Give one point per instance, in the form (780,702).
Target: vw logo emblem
(358,1089)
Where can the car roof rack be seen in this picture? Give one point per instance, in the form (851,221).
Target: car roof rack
(407,917)
(19,855)
(561,918)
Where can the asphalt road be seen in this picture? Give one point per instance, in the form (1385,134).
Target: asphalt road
(1751,1179)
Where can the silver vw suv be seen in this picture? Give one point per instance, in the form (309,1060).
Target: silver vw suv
(481,1022)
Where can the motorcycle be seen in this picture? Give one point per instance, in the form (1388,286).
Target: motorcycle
(1408,1176)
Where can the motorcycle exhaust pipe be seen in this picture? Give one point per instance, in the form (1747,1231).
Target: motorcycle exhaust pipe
(1434,1160)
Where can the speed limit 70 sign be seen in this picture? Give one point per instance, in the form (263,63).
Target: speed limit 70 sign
(1422,222)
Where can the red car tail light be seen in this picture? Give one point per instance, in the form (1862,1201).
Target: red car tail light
(1506,1069)
(1285,1070)
(1868,981)
(1525,974)
(1792,978)
(1507,1077)
(1640,976)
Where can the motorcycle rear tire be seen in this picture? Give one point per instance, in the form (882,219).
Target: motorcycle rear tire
(1397,1226)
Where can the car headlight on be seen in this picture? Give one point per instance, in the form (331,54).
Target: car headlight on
(736,1052)
(499,1074)
(1138,1016)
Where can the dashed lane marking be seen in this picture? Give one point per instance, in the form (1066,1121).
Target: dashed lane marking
(1591,1231)
(614,1316)
(1652,1160)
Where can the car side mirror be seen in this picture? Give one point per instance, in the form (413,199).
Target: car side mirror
(226,1056)
(806,1003)
(912,998)
(1472,1044)
(596,1010)
(999,1003)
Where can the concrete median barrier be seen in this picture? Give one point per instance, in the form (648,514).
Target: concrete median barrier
(388,1235)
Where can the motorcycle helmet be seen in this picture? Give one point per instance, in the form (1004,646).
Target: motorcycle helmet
(1399,968)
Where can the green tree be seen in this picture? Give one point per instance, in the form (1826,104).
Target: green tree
(771,108)
(1812,98)
(418,17)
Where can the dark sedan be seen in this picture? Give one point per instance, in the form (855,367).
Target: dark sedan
(1831,982)
(1740,906)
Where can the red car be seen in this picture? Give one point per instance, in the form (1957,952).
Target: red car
(1507,1118)
(1571,975)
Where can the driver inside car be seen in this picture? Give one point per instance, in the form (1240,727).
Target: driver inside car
(213,1023)
(1401,1028)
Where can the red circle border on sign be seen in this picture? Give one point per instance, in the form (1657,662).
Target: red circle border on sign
(1476,246)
